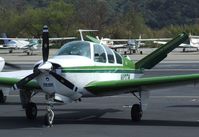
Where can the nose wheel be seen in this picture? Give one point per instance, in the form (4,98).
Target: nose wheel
(49,116)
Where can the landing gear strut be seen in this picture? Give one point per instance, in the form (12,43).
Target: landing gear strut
(136,110)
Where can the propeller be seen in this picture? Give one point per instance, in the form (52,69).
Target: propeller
(45,66)
(45,44)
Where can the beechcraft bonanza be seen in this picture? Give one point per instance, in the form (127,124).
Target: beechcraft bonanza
(86,69)
(193,43)
(26,44)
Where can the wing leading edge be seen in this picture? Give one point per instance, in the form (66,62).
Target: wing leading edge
(9,82)
(143,84)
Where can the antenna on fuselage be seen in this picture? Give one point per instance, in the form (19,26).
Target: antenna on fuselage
(84,30)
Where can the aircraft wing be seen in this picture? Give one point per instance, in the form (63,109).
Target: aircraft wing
(183,45)
(27,39)
(141,40)
(8,79)
(143,84)
(14,39)
(62,38)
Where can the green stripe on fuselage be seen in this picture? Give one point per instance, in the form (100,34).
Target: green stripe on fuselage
(100,69)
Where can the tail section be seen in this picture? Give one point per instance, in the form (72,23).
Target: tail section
(93,39)
(158,55)
(5,40)
(84,30)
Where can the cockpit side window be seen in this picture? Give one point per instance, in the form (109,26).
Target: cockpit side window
(76,48)
(118,58)
(99,54)
(109,54)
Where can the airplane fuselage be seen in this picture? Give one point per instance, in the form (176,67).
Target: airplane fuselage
(83,69)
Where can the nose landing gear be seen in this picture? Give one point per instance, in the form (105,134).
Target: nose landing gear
(49,116)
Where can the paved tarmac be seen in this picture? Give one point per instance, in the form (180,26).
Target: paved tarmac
(171,112)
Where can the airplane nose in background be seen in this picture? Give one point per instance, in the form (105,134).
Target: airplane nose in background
(2,63)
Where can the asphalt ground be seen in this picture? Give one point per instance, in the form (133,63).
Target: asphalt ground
(171,112)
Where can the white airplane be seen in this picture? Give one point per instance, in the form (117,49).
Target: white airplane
(25,44)
(193,43)
(86,69)
(3,63)
(4,92)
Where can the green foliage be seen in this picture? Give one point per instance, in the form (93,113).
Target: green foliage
(113,18)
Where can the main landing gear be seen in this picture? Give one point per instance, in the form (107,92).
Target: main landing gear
(31,108)
(136,110)
(2,97)
(31,113)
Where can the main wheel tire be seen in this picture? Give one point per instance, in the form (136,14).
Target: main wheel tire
(136,113)
(48,121)
(2,97)
(31,111)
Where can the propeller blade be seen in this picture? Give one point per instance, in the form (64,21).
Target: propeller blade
(64,81)
(25,80)
(45,44)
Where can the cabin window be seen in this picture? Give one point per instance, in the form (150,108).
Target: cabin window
(110,55)
(118,58)
(99,54)
(76,48)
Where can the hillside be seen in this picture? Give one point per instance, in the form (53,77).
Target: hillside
(113,18)
(157,13)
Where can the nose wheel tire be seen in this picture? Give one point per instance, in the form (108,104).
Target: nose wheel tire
(49,117)
(136,112)
(31,111)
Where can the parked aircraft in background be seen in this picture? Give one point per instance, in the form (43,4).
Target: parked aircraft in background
(193,43)
(131,45)
(27,45)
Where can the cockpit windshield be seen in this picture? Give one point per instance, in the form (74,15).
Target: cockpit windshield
(79,48)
